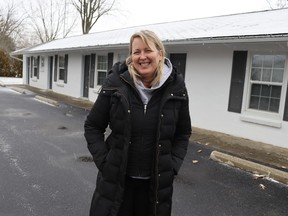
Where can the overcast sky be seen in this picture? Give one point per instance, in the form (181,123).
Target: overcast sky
(136,12)
(141,12)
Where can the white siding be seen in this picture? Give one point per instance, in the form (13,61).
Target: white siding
(24,70)
(73,87)
(208,75)
(43,78)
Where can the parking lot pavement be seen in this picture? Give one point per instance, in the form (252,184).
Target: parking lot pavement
(45,168)
(266,155)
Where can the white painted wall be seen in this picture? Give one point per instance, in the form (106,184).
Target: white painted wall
(24,72)
(43,79)
(38,83)
(74,77)
(93,93)
(73,87)
(208,75)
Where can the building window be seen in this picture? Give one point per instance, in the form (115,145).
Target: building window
(35,66)
(266,82)
(61,67)
(264,87)
(102,67)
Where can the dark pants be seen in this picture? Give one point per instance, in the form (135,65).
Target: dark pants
(136,198)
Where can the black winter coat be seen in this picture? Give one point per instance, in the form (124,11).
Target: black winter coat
(112,108)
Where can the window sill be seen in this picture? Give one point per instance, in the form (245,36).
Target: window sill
(60,84)
(34,79)
(262,119)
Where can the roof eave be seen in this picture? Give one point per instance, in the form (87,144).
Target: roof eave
(230,39)
(191,41)
(81,49)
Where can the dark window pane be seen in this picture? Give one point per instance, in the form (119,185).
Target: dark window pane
(268,61)
(102,63)
(35,71)
(254,102)
(266,71)
(277,75)
(279,61)
(266,76)
(61,61)
(276,92)
(101,78)
(61,74)
(35,61)
(256,74)
(265,90)
(255,90)
(274,105)
(264,104)
(265,97)
(257,60)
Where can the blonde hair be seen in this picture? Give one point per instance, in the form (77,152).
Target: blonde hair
(147,36)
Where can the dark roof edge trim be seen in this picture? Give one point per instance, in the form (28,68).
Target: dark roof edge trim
(235,39)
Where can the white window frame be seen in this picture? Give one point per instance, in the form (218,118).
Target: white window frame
(259,116)
(59,68)
(35,67)
(101,70)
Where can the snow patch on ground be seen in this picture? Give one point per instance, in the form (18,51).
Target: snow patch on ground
(10,81)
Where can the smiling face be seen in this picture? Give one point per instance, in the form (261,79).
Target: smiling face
(145,58)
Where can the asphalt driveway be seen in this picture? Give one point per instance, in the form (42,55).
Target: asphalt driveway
(45,169)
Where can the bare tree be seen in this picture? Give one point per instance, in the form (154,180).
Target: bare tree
(91,10)
(50,19)
(10,27)
(274,4)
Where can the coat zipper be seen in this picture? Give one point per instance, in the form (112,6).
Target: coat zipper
(157,148)
(145,108)
(144,105)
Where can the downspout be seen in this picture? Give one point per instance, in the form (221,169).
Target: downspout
(16,58)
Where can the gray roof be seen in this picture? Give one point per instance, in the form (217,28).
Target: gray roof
(260,26)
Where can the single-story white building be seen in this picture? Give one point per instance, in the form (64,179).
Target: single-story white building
(235,67)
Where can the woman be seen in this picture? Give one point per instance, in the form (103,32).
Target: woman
(145,103)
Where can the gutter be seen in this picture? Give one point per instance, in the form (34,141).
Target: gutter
(202,40)
(82,49)
(230,39)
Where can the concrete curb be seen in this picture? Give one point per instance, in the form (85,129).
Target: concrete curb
(47,100)
(19,90)
(269,172)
